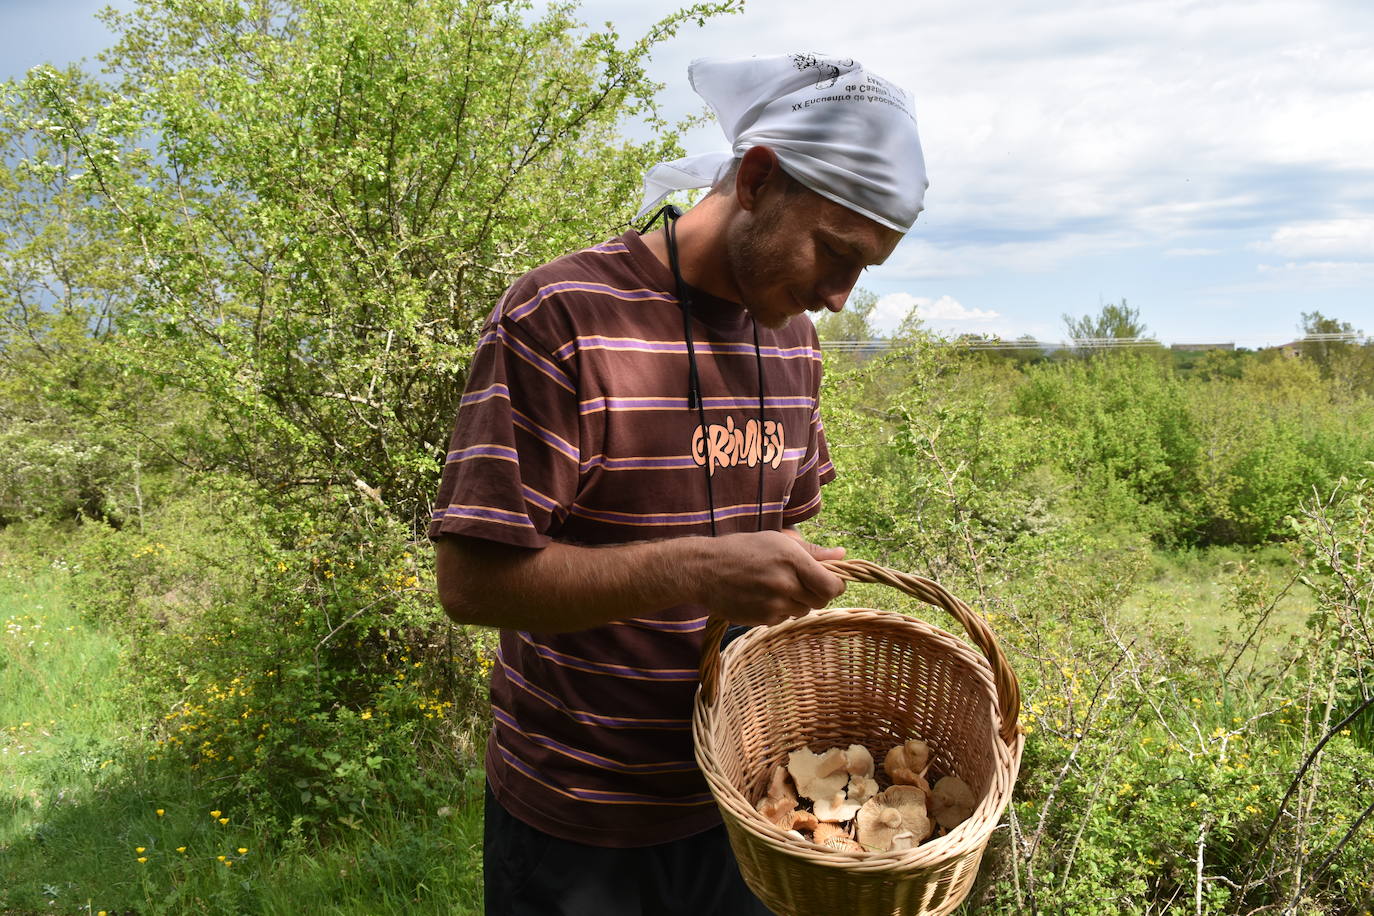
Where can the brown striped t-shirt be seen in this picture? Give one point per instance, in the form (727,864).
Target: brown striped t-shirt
(575,426)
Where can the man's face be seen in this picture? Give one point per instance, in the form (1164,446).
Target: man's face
(798,252)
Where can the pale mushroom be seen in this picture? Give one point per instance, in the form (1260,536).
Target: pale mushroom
(802,820)
(895,811)
(905,764)
(818,776)
(904,840)
(952,802)
(858,761)
(862,788)
(780,802)
(878,826)
(836,808)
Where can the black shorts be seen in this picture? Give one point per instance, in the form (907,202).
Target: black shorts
(529,873)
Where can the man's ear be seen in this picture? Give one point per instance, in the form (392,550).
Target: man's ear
(760,173)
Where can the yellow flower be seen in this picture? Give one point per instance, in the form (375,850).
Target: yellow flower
(214,814)
(138,849)
(243,849)
(367,714)
(160,812)
(228,864)
(221,858)
(181,849)
(224,820)
(142,859)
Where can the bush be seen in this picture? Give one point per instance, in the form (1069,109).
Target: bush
(300,664)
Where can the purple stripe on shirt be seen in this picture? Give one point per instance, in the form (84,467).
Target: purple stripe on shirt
(671,519)
(486,513)
(596,795)
(539,499)
(535,359)
(548,437)
(666,626)
(639,345)
(527,307)
(811,503)
(483,451)
(675,462)
(476,397)
(625,671)
(595,405)
(602,763)
(634,798)
(590,718)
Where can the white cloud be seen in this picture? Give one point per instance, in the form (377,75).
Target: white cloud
(922,258)
(1151,118)
(892,308)
(1328,239)
(1309,274)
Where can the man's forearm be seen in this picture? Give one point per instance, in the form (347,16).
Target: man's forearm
(753,578)
(563,587)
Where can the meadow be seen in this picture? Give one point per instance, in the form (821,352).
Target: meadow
(244,271)
(180,732)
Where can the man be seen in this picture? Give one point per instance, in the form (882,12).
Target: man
(639,435)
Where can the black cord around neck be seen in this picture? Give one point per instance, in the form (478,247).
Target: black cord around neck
(670,215)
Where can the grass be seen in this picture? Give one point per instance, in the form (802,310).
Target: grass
(92,820)
(84,796)
(1196,593)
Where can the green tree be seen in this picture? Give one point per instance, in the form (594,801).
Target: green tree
(326,199)
(66,412)
(1114,322)
(852,323)
(1334,347)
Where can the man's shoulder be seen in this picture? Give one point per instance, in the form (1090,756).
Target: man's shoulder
(592,284)
(616,263)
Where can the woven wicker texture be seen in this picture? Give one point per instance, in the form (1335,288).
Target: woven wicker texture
(858,676)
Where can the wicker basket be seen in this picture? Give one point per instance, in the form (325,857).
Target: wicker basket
(876,678)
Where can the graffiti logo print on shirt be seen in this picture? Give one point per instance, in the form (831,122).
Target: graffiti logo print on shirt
(728,445)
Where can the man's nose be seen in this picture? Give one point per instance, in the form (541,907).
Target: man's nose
(835,293)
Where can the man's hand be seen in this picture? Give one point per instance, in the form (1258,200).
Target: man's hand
(755,578)
(766,577)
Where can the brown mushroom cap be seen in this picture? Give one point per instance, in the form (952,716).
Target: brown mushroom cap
(952,802)
(780,801)
(897,810)
(905,764)
(833,836)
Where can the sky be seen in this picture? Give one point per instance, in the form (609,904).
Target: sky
(1211,162)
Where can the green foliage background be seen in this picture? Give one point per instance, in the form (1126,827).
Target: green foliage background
(243,273)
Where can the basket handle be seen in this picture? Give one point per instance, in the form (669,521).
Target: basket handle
(931,592)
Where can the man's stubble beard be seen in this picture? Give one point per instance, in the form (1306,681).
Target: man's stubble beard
(754,253)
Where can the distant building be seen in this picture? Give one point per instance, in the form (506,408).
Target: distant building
(1193,347)
(1290,350)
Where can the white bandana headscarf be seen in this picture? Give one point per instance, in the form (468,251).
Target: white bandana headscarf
(840,130)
